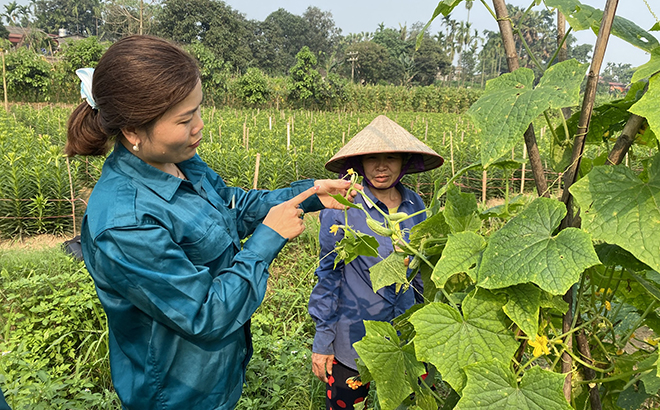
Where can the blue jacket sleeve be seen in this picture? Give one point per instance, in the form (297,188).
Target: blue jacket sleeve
(323,302)
(155,275)
(253,205)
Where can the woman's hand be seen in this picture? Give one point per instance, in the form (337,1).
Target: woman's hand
(286,218)
(329,187)
(322,365)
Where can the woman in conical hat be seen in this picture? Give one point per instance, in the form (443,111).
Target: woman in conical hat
(383,152)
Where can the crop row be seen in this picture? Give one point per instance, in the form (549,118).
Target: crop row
(39,187)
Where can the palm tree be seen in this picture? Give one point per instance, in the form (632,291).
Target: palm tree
(468,6)
(11,13)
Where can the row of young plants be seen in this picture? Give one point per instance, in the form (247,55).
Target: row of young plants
(54,346)
(555,306)
(37,183)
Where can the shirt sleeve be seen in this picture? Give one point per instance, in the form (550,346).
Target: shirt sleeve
(253,205)
(323,301)
(155,275)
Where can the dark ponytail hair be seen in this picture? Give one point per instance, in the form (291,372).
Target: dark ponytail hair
(136,81)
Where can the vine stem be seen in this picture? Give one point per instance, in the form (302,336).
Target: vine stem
(622,342)
(407,245)
(617,377)
(506,29)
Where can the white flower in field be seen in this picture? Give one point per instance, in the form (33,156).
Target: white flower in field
(6,352)
(294,351)
(87,390)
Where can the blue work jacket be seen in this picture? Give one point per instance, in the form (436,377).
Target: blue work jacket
(176,285)
(343,296)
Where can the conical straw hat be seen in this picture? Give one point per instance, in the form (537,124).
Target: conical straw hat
(384,135)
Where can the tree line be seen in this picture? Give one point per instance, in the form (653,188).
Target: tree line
(230,45)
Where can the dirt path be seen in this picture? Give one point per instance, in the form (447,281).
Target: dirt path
(33,242)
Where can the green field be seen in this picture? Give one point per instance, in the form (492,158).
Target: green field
(39,187)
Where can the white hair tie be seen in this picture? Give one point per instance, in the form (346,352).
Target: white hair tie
(86,75)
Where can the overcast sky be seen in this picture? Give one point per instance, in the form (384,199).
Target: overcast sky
(355,16)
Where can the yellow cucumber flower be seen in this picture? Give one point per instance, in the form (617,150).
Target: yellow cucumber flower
(540,345)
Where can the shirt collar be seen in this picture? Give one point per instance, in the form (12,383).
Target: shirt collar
(405,195)
(161,183)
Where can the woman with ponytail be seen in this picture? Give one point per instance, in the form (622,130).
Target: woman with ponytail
(162,233)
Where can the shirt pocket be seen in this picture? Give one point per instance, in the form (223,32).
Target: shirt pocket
(215,242)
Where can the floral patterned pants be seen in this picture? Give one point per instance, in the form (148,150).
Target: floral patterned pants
(341,394)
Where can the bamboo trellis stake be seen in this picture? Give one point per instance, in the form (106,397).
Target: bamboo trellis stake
(288,135)
(311,143)
(4,81)
(522,173)
(451,151)
(73,199)
(484,184)
(256,171)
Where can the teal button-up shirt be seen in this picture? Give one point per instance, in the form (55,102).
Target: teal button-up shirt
(176,285)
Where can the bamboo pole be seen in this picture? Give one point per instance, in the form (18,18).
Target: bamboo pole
(506,30)
(4,80)
(571,175)
(288,135)
(522,173)
(562,55)
(73,199)
(311,144)
(625,140)
(484,185)
(451,151)
(256,171)
(587,108)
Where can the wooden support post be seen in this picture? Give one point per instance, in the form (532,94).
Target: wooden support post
(288,135)
(256,171)
(451,151)
(484,185)
(522,173)
(311,144)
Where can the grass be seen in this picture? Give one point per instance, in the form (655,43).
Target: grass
(53,336)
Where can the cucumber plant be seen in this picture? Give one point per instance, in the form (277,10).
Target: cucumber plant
(557,308)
